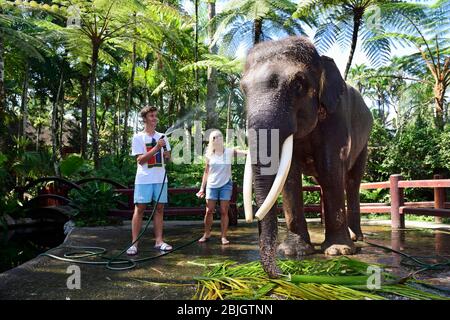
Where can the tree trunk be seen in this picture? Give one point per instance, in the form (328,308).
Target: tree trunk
(197,94)
(356,25)
(92,105)
(161,102)
(84,85)
(230,98)
(211,88)
(102,123)
(39,124)
(171,110)
(257,25)
(2,82)
(146,90)
(61,123)
(128,101)
(116,126)
(56,156)
(23,105)
(38,134)
(439,95)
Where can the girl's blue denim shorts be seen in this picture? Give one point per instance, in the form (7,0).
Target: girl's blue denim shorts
(221,193)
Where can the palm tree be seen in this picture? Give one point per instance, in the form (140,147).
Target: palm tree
(384,86)
(344,21)
(249,22)
(130,88)
(15,32)
(102,23)
(429,34)
(211,89)
(228,67)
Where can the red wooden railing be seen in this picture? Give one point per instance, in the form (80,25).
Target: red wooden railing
(397,208)
(177,211)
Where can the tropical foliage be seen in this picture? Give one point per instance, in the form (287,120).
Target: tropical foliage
(75,73)
(335,279)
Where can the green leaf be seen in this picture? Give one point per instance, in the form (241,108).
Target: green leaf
(71,165)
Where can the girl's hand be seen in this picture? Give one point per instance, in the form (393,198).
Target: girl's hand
(200,194)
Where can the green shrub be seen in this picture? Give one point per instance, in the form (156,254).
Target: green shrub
(71,165)
(374,196)
(94,201)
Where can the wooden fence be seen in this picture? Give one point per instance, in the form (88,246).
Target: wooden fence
(397,207)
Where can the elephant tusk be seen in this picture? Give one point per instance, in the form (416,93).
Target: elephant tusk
(247,189)
(280,178)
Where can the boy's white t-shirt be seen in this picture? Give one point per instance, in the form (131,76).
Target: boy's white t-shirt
(153,171)
(219,168)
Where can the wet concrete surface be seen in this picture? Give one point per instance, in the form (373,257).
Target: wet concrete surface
(171,276)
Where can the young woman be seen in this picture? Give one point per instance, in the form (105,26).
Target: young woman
(218,183)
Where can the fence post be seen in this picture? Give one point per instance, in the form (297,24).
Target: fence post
(397,200)
(439,198)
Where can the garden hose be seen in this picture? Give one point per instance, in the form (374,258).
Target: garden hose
(111,263)
(416,260)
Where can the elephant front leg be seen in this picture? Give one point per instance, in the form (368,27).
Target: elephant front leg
(337,237)
(297,242)
(353,204)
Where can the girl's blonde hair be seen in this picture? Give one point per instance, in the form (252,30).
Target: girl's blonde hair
(210,149)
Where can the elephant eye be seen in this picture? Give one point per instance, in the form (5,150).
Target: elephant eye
(273,81)
(298,86)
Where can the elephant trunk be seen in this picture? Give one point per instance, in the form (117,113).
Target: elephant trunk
(267,189)
(267,227)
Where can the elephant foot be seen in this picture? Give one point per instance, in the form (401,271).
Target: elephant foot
(356,236)
(294,245)
(338,246)
(272,270)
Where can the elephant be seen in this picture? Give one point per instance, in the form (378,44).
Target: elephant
(323,127)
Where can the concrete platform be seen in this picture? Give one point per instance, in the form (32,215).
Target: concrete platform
(171,276)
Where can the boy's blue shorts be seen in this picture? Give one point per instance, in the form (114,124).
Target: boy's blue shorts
(145,193)
(221,193)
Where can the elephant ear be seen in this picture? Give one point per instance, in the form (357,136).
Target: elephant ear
(331,84)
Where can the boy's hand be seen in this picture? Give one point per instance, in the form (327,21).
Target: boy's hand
(161,143)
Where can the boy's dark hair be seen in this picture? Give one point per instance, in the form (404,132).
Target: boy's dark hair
(146,110)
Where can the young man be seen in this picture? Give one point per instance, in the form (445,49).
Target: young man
(150,150)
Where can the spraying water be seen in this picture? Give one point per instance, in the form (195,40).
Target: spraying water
(180,122)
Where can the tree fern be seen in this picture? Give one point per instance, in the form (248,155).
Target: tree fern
(236,22)
(346,21)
